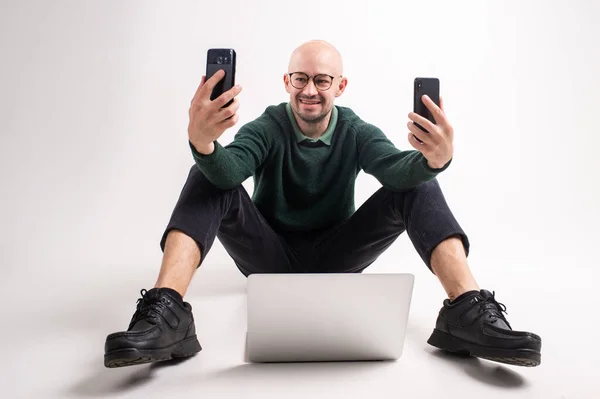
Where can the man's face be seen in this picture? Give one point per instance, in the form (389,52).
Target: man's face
(313,102)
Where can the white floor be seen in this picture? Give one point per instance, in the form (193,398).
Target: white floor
(54,327)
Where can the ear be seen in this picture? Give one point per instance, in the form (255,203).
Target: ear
(341,87)
(286,82)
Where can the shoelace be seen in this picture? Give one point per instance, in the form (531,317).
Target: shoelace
(147,308)
(495,309)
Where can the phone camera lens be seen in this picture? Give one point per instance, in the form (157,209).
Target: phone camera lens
(219,60)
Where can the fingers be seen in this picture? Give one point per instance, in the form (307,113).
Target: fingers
(448,129)
(197,95)
(229,122)
(210,84)
(415,143)
(224,98)
(424,122)
(438,114)
(206,86)
(228,112)
(421,135)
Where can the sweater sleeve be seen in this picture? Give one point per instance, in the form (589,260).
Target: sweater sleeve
(396,170)
(229,166)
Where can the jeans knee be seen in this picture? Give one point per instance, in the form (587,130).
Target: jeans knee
(402,202)
(428,187)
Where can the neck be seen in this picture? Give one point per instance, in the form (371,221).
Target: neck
(313,130)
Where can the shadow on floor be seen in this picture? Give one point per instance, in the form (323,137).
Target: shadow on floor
(278,377)
(328,370)
(108,382)
(113,382)
(484,371)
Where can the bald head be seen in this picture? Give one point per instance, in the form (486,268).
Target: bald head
(312,106)
(316,56)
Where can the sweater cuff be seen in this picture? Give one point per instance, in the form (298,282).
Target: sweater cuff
(202,158)
(433,171)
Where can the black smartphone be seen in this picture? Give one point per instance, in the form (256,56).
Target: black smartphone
(225,59)
(431,87)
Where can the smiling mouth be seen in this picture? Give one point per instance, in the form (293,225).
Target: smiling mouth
(308,102)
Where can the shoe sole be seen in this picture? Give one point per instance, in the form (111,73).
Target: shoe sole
(515,357)
(132,356)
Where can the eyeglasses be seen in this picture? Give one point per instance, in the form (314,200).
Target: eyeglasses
(322,81)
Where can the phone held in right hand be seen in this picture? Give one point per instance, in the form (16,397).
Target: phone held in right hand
(225,59)
(430,87)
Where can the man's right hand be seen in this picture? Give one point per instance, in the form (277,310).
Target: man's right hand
(208,120)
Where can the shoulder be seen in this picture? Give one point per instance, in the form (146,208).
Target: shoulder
(269,124)
(276,115)
(273,115)
(350,121)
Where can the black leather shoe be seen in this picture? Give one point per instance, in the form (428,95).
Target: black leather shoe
(476,326)
(161,328)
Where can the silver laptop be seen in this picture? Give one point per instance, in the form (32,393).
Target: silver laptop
(327,317)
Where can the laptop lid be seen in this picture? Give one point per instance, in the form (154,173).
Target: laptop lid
(327,317)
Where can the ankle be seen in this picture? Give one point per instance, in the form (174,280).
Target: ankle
(173,291)
(467,294)
(454,293)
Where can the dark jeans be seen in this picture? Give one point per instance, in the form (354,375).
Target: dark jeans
(204,212)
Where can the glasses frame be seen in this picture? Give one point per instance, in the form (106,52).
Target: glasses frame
(313,79)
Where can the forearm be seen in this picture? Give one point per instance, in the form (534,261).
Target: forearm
(203,149)
(404,170)
(395,169)
(221,168)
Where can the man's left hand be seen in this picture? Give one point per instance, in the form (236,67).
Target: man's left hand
(437,143)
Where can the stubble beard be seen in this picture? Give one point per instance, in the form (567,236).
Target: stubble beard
(311,118)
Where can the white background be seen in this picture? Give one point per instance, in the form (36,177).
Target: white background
(94,98)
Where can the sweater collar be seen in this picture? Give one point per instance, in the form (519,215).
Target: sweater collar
(327,135)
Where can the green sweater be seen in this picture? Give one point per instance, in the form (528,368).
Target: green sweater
(302,184)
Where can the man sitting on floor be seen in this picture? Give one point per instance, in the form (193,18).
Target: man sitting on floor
(305,156)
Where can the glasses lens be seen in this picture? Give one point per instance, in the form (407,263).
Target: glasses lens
(299,80)
(323,82)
